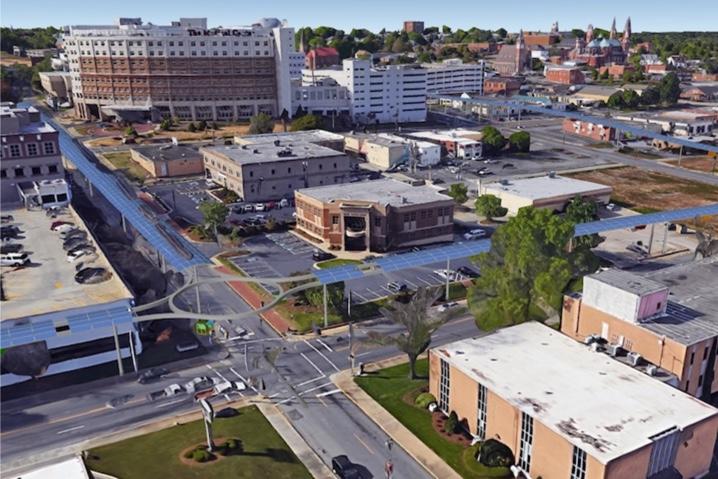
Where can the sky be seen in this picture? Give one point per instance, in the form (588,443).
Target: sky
(646,15)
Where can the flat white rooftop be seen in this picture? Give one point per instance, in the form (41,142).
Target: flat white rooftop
(385,191)
(596,403)
(48,284)
(71,468)
(290,137)
(543,187)
(459,135)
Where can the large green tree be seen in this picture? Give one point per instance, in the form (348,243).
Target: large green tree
(260,124)
(616,101)
(459,192)
(527,270)
(306,122)
(214,213)
(580,210)
(670,89)
(489,206)
(492,139)
(631,98)
(650,96)
(520,141)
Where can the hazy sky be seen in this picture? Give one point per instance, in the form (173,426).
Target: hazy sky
(648,15)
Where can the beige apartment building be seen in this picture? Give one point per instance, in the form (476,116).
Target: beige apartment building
(664,323)
(567,412)
(272,171)
(374,215)
(169,160)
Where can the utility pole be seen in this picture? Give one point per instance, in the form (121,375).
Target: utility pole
(665,237)
(680,156)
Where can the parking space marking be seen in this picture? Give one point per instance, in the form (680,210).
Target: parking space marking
(170,403)
(362,298)
(65,431)
(410,283)
(310,362)
(325,345)
(328,393)
(304,383)
(424,281)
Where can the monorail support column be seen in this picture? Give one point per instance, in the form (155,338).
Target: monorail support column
(119,351)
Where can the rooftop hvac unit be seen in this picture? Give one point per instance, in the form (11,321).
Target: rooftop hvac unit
(634,358)
(651,370)
(613,349)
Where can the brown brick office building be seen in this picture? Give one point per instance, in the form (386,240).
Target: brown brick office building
(375,215)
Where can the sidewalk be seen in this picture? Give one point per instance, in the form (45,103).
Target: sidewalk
(252,298)
(295,442)
(400,434)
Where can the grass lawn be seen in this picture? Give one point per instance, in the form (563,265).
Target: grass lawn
(122,161)
(333,263)
(155,455)
(389,386)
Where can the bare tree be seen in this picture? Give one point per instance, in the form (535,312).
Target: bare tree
(419,320)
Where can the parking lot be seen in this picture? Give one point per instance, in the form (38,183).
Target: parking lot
(183,197)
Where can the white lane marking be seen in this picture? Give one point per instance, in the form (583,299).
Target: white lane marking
(386,289)
(322,355)
(424,281)
(244,380)
(310,362)
(410,284)
(64,431)
(171,402)
(325,345)
(273,395)
(362,298)
(226,396)
(284,401)
(218,373)
(328,393)
(304,383)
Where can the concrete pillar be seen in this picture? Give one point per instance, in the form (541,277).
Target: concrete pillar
(448,265)
(650,238)
(132,350)
(120,366)
(124,223)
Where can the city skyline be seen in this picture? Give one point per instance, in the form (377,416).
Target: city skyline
(647,16)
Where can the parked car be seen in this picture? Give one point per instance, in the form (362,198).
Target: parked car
(7,218)
(396,287)
(81,247)
(173,390)
(283,203)
(454,169)
(508,165)
(319,255)
(64,234)
(259,207)
(201,383)
(92,275)
(474,234)
(11,248)
(73,243)
(344,468)
(151,375)
(468,272)
(610,206)
(55,225)
(74,235)
(447,306)
(437,181)
(63,227)
(443,274)
(81,253)
(14,259)
(490,161)
(485,173)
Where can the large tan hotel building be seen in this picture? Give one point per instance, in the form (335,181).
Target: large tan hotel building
(134,70)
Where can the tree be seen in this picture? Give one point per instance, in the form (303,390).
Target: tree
(670,89)
(527,270)
(260,124)
(650,96)
(604,75)
(616,100)
(165,124)
(578,33)
(520,141)
(631,99)
(214,213)
(419,320)
(202,125)
(191,127)
(306,122)
(445,29)
(489,206)
(493,140)
(537,65)
(580,210)
(501,32)
(399,46)
(459,192)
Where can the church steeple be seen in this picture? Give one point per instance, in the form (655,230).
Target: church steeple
(589,33)
(626,40)
(613,30)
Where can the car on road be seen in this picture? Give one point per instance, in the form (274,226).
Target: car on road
(447,274)
(114,403)
(92,276)
(344,468)
(319,255)
(200,383)
(173,390)
(610,206)
(468,272)
(474,234)
(152,374)
(485,173)
(396,287)
(11,248)
(259,207)
(447,306)
(454,169)
(490,161)
(14,259)
(437,181)
(185,346)
(508,165)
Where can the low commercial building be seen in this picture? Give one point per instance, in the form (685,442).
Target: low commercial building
(564,74)
(50,322)
(702,93)
(58,86)
(456,143)
(325,138)
(375,215)
(413,26)
(324,97)
(387,151)
(269,171)
(29,153)
(169,160)
(565,411)
(499,85)
(589,130)
(549,192)
(664,323)
(592,94)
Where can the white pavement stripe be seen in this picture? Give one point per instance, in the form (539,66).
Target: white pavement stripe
(410,284)
(362,298)
(243,380)
(226,396)
(217,373)
(328,383)
(322,355)
(325,345)
(64,431)
(310,361)
(328,393)
(424,281)
(304,383)
(165,404)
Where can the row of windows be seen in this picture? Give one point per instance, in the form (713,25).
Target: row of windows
(24,172)
(159,43)
(31,149)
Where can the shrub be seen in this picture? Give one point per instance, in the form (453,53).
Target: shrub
(200,455)
(202,125)
(493,453)
(232,444)
(424,399)
(191,128)
(189,454)
(452,423)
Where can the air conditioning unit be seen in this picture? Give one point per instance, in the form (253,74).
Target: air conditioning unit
(634,358)
(613,349)
(651,369)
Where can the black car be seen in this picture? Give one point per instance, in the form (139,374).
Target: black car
(320,255)
(468,272)
(437,181)
(92,275)
(396,287)
(508,165)
(11,248)
(74,243)
(77,234)
(81,247)
(151,375)
(343,468)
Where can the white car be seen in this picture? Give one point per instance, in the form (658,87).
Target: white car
(203,382)
(64,228)
(83,253)
(451,275)
(227,386)
(447,306)
(489,161)
(173,390)
(474,234)
(259,207)
(454,169)
(610,206)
